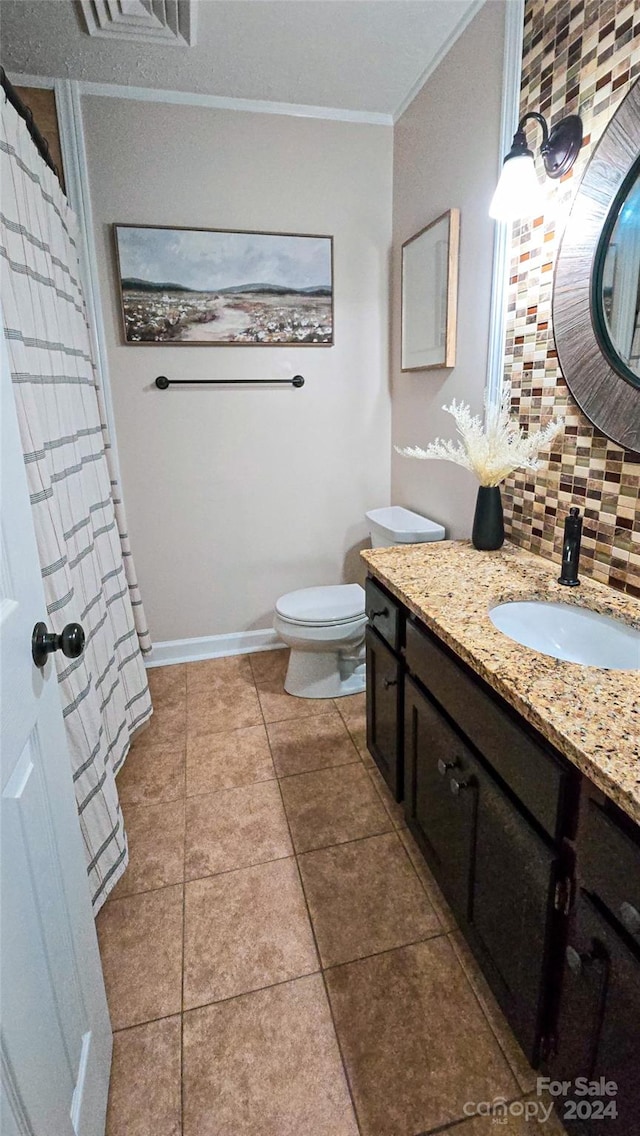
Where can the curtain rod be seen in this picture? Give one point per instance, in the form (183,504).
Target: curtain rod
(26,113)
(162,382)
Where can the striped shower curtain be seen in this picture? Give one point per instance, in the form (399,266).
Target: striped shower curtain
(86,563)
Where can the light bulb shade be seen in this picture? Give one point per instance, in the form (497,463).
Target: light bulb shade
(518,192)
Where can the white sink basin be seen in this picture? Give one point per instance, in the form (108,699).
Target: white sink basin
(574,634)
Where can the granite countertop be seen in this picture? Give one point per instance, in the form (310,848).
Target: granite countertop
(591,715)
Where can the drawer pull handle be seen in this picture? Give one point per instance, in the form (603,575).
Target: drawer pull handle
(443,766)
(630,918)
(379,614)
(390,682)
(457,786)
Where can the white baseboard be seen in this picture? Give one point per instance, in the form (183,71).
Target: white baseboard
(212,647)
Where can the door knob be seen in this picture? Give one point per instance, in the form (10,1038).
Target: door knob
(390,682)
(43,642)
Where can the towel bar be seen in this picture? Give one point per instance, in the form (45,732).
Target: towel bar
(162,382)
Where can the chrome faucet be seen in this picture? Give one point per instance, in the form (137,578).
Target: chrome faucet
(571,549)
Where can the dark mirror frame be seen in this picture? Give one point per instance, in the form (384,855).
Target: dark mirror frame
(609,399)
(600,324)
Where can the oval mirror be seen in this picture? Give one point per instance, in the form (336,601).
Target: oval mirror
(596,282)
(616,281)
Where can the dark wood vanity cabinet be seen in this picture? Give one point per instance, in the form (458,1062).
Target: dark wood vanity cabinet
(541,870)
(598,1027)
(384,638)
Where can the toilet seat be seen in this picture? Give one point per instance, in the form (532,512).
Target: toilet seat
(328,606)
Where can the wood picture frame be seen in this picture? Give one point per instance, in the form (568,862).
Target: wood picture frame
(429,295)
(190,287)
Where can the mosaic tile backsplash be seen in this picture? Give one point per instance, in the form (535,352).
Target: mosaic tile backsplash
(578,58)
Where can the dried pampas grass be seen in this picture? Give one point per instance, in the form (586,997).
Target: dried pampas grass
(491,450)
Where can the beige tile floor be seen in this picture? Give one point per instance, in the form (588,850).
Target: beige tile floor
(278,959)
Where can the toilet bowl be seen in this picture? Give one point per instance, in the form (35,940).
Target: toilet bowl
(325,626)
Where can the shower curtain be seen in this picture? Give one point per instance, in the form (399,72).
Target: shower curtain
(86,564)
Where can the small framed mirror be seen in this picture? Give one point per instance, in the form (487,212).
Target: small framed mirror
(429,295)
(596,291)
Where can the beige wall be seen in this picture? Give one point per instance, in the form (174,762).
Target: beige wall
(446,153)
(236,495)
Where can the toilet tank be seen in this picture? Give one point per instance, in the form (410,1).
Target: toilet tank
(395,525)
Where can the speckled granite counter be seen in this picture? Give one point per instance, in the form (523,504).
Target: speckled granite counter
(592,716)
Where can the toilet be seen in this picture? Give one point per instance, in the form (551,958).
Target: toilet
(325,626)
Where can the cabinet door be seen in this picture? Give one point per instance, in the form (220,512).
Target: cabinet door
(384,711)
(599,1023)
(440,796)
(512,910)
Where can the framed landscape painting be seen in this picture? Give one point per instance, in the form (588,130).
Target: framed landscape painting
(220,288)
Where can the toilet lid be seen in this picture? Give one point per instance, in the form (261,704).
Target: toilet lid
(336,603)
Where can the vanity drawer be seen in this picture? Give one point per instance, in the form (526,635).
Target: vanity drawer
(384,614)
(535,776)
(611,865)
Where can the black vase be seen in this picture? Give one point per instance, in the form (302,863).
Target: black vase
(488,522)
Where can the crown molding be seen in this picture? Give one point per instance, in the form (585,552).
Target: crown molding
(463,23)
(214,102)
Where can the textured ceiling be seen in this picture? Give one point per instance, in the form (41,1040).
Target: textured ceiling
(360,55)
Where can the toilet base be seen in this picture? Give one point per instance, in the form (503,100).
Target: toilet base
(325,674)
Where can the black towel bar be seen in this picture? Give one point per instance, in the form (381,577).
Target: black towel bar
(162,382)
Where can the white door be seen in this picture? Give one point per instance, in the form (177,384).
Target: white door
(55,1034)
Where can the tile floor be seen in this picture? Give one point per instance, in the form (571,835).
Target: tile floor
(278,959)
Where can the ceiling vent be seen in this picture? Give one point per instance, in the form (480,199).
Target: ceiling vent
(152,21)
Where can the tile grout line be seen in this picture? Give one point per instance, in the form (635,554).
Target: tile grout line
(248,993)
(317,768)
(345,843)
(315,942)
(370,773)
(422,883)
(146,1022)
(440,934)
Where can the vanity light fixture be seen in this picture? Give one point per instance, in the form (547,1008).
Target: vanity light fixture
(518,192)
